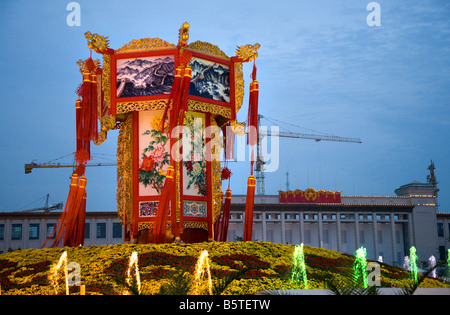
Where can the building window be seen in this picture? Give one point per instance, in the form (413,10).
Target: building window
(324,216)
(326,236)
(387,217)
(308,236)
(343,236)
(50,228)
(87,230)
(117,230)
(440,229)
(361,217)
(351,216)
(380,236)
(342,216)
(396,217)
(369,217)
(2,232)
(362,239)
(333,217)
(306,216)
(101,230)
(269,235)
(16,232)
(315,216)
(33,232)
(289,236)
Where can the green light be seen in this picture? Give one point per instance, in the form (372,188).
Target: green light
(299,278)
(413,264)
(360,267)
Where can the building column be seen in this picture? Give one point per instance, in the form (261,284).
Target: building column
(393,238)
(283,228)
(319,216)
(338,232)
(375,235)
(301,227)
(264,227)
(411,239)
(357,241)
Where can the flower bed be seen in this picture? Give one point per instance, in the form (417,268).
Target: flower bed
(267,267)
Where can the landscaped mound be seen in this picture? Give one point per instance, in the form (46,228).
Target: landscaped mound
(260,266)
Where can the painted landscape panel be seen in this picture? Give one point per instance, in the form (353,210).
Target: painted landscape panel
(145,76)
(210,80)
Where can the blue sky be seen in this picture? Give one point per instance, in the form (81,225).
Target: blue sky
(320,66)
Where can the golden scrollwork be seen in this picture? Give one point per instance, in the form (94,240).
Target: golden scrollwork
(145,44)
(126,107)
(195,225)
(209,108)
(124,172)
(207,49)
(238,85)
(106,79)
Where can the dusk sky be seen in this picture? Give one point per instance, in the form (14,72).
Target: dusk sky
(320,66)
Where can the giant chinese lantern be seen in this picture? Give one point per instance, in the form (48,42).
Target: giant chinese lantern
(170,103)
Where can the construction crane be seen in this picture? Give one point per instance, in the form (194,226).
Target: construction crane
(259,167)
(46,208)
(29,167)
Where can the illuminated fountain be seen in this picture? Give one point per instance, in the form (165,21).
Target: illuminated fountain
(360,267)
(299,277)
(432,264)
(53,277)
(406,263)
(201,267)
(413,264)
(134,262)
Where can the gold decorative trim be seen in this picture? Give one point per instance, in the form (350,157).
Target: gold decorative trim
(207,49)
(126,107)
(216,174)
(195,225)
(148,225)
(209,108)
(238,85)
(106,79)
(145,44)
(125,172)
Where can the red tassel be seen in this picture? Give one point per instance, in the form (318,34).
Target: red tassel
(173,98)
(167,194)
(223,228)
(228,141)
(252,118)
(72,218)
(81,222)
(59,228)
(248,222)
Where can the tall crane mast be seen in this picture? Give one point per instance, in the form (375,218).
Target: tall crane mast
(259,167)
(46,208)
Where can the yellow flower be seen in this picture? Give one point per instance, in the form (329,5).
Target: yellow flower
(156,123)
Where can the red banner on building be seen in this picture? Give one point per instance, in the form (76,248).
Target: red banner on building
(310,195)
